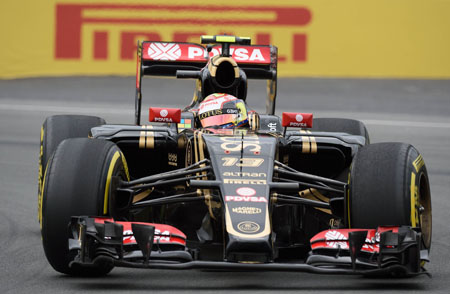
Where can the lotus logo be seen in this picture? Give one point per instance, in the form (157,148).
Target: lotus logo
(164,113)
(245,191)
(248,227)
(298,117)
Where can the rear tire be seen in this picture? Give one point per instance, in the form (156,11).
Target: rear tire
(389,186)
(341,125)
(76,183)
(56,129)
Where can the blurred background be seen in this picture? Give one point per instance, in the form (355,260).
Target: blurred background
(316,38)
(384,62)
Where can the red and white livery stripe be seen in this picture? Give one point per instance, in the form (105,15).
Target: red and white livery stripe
(164,234)
(338,239)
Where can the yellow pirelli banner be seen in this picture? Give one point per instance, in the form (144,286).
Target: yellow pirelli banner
(319,38)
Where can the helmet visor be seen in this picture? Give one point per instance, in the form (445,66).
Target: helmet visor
(218,120)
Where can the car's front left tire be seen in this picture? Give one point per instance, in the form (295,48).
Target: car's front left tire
(76,182)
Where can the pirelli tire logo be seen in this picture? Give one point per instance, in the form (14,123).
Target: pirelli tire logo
(246,210)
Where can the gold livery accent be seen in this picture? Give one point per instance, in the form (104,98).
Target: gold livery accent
(217,60)
(188,158)
(242,162)
(313,143)
(274,197)
(142,195)
(245,174)
(142,140)
(306,147)
(172,159)
(309,144)
(418,163)
(313,194)
(147,138)
(253,120)
(234,144)
(181,143)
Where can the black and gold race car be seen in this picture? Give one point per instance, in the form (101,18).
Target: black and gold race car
(276,194)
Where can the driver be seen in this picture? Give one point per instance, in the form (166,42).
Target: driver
(223,111)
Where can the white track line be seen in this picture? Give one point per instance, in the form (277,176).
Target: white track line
(398,123)
(97,109)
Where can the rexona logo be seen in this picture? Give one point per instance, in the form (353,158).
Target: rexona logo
(245,199)
(101,25)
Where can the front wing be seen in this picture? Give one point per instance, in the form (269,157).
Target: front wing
(393,251)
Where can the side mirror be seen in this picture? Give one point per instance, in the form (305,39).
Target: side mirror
(296,120)
(165,115)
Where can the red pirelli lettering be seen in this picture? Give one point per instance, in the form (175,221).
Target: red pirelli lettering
(100,45)
(70,19)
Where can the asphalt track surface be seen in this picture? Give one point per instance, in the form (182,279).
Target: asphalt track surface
(412,111)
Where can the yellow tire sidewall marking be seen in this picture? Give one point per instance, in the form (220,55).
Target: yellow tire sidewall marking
(41,172)
(41,196)
(414,200)
(108,180)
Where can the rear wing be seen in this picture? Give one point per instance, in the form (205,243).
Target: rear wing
(164,59)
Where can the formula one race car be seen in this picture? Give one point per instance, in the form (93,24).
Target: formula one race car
(219,186)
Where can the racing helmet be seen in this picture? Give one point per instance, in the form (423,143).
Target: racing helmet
(222,110)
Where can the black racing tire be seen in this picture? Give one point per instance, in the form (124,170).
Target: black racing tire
(341,125)
(389,186)
(56,129)
(76,183)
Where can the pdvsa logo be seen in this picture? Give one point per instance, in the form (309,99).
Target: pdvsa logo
(164,51)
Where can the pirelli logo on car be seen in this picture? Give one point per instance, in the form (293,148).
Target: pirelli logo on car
(245,181)
(94,29)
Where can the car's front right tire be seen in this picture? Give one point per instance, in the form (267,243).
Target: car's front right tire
(56,129)
(389,186)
